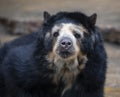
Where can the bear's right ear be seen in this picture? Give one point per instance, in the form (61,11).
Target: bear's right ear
(46,15)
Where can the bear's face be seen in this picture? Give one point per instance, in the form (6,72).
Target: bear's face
(67,39)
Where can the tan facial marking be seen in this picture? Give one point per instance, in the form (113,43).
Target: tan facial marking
(70,28)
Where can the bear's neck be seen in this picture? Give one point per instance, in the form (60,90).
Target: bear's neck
(65,71)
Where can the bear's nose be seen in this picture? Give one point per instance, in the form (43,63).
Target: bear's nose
(66,43)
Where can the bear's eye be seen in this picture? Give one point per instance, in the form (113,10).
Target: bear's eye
(55,34)
(77,35)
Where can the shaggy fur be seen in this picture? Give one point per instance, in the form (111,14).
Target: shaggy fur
(30,66)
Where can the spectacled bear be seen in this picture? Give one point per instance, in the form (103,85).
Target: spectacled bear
(66,58)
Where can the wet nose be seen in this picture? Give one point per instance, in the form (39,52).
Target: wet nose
(66,43)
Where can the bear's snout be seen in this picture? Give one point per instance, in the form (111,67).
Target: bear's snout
(65,44)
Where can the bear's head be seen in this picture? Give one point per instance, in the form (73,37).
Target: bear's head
(69,35)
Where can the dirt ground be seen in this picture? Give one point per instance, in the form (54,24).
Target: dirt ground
(108,15)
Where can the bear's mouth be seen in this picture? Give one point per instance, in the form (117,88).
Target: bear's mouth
(65,54)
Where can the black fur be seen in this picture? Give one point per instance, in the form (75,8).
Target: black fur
(24,69)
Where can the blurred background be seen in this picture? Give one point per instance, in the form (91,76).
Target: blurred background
(21,17)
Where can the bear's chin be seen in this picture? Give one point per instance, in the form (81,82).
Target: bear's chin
(66,55)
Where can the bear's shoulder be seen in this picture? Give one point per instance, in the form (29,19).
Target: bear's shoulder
(20,54)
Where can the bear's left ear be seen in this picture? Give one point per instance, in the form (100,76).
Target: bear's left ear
(93,19)
(46,15)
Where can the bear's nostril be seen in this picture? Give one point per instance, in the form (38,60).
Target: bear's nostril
(69,43)
(63,43)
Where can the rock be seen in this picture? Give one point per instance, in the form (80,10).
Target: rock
(16,27)
(111,34)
